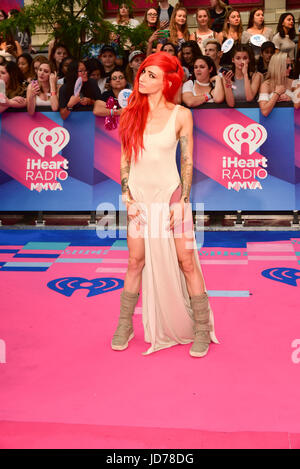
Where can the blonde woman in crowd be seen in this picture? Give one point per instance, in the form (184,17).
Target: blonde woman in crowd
(278,86)
(203,31)
(35,64)
(43,91)
(179,32)
(233,27)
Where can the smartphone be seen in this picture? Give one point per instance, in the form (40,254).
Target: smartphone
(164,33)
(224,70)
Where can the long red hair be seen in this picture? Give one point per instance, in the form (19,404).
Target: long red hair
(134,117)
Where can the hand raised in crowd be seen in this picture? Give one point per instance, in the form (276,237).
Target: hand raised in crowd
(245,68)
(34,88)
(154,37)
(53,80)
(227,77)
(164,24)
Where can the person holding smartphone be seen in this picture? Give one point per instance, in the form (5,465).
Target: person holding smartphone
(43,91)
(243,82)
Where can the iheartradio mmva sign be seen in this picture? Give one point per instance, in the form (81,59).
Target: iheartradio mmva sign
(43,173)
(244,171)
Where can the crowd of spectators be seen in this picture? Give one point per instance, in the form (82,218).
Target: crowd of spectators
(224,62)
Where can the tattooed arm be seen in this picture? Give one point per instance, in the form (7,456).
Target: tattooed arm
(186,147)
(124,172)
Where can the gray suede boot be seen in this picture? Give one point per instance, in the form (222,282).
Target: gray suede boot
(124,332)
(200,307)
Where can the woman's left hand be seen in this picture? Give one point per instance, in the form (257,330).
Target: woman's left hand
(245,68)
(17,101)
(86,102)
(284,97)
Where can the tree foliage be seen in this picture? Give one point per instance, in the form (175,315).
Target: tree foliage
(74,23)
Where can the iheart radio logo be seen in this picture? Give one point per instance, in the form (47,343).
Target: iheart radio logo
(244,171)
(47,173)
(235,135)
(41,138)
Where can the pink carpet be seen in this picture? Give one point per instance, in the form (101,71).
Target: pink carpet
(63,387)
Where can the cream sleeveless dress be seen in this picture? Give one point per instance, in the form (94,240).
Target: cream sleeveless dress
(154,183)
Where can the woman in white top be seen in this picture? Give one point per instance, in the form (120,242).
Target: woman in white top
(9,48)
(286,33)
(256,25)
(43,91)
(278,86)
(207,86)
(203,31)
(125,17)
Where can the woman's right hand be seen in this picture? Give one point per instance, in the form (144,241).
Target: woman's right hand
(154,36)
(134,211)
(34,88)
(227,76)
(73,101)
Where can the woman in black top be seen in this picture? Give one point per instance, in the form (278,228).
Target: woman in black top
(117,82)
(89,92)
(217,13)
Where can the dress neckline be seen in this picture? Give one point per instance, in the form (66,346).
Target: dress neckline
(158,133)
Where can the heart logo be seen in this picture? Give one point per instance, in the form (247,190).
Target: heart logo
(68,285)
(57,138)
(235,135)
(283,274)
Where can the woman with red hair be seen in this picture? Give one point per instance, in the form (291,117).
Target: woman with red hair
(160,237)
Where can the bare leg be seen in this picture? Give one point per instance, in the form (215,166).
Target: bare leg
(187,263)
(183,237)
(136,262)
